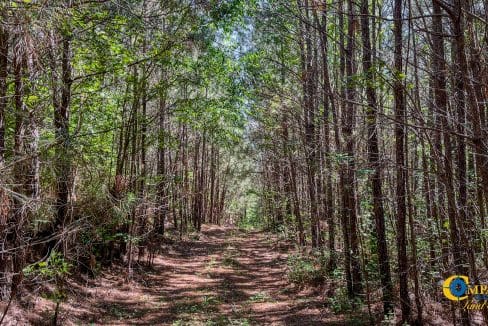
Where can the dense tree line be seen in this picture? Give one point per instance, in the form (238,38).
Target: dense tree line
(115,117)
(373,122)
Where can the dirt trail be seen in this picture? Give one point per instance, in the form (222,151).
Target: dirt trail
(227,277)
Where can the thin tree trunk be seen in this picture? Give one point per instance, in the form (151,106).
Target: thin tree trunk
(329,103)
(374,161)
(61,125)
(4,48)
(400,113)
(349,187)
(163,182)
(4,207)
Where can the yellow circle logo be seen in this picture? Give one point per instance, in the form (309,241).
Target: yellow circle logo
(456,287)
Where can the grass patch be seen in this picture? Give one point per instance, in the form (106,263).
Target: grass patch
(209,300)
(208,304)
(260,297)
(123,313)
(286,291)
(211,264)
(225,321)
(230,261)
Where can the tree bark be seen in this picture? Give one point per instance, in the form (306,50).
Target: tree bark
(375,163)
(349,186)
(61,124)
(4,48)
(400,112)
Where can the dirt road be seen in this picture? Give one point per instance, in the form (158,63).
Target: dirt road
(225,277)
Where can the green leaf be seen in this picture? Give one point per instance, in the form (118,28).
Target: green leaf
(446,224)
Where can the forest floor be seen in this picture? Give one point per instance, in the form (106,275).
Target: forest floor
(225,277)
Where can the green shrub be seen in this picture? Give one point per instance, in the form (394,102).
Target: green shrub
(54,267)
(307,269)
(340,302)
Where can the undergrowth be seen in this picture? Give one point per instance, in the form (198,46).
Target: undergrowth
(305,269)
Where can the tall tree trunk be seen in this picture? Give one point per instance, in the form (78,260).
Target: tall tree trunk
(213,172)
(305,42)
(348,123)
(293,183)
(4,42)
(400,113)
(443,158)
(329,105)
(163,182)
(4,201)
(374,161)
(336,115)
(21,176)
(61,124)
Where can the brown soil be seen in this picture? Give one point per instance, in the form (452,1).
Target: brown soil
(226,277)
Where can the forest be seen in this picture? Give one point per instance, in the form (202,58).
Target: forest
(243,162)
